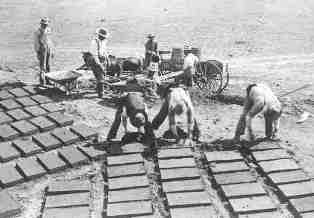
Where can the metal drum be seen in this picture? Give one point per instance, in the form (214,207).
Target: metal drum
(177,58)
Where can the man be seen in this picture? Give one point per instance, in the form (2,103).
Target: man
(151,47)
(131,106)
(98,49)
(43,47)
(177,101)
(259,98)
(189,69)
(98,71)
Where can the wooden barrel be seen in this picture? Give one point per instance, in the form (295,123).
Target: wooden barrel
(177,58)
(196,52)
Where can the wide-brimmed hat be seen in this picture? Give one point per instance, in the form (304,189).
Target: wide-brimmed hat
(102,32)
(150,36)
(44,20)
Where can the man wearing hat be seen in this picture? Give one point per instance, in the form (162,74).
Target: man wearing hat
(98,49)
(98,46)
(151,48)
(43,47)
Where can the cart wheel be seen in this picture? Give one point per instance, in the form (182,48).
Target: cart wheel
(209,77)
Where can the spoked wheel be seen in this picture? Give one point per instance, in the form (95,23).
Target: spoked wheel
(208,77)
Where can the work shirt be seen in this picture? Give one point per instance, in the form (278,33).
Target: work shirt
(99,48)
(42,39)
(190,61)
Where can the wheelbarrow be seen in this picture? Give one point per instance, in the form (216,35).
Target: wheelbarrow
(66,81)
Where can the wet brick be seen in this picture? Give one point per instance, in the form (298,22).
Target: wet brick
(35,111)
(8,207)
(41,99)
(8,152)
(84,131)
(30,89)
(297,190)
(93,153)
(132,148)
(273,214)
(125,159)
(234,178)
(193,212)
(288,177)
(43,123)
(9,176)
(72,156)
(7,132)
(229,167)
(302,205)
(174,153)
(68,187)
(9,104)
(19,114)
(307,215)
(18,92)
(71,212)
(129,209)
(188,199)
(68,200)
(4,94)
(30,168)
(126,170)
(179,173)
(65,136)
(265,146)
(52,107)
(177,163)
(47,141)
(135,194)
(252,204)
(4,118)
(223,156)
(127,182)
(278,165)
(51,162)
(26,101)
(270,155)
(243,190)
(183,185)
(60,118)
(27,147)
(25,128)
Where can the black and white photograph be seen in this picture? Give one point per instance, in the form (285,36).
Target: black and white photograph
(156,109)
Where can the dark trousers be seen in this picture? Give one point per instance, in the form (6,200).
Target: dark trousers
(44,63)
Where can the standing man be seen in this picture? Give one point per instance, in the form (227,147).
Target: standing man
(43,47)
(98,49)
(189,69)
(151,47)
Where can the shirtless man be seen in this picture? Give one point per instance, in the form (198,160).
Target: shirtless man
(259,99)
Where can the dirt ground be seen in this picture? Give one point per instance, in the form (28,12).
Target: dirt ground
(270,41)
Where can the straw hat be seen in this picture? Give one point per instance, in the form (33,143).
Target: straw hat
(102,32)
(44,20)
(150,36)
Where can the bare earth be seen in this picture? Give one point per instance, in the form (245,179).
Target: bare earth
(269,41)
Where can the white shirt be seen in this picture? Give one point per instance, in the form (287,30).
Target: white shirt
(99,47)
(42,38)
(190,61)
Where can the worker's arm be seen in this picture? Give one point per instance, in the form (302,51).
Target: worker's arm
(93,49)
(116,124)
(161,116)
(36,41)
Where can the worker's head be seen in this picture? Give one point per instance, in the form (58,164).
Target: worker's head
(139,120)
(151,37)
(44,22)
(102,33)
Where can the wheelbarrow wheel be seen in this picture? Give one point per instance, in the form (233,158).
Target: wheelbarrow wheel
(208,77)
